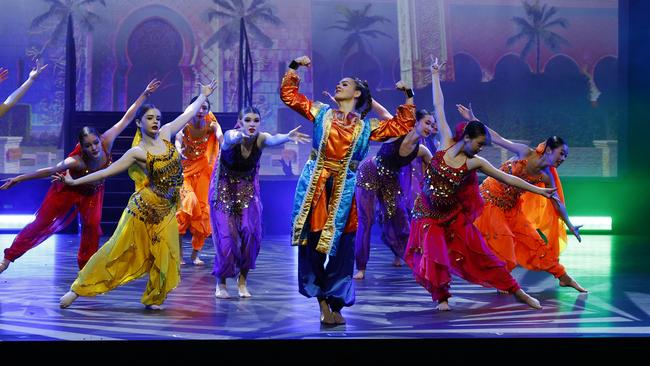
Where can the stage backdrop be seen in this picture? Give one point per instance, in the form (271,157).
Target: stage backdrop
(530,69)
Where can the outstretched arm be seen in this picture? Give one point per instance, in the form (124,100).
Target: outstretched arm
(68,163)
(281,138)
(176,125)
(129,158)
(16,95)
(446,137)
(520,149)
(561,209)
(490,170)
(111,134)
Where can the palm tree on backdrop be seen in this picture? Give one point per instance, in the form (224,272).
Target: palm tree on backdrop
(536,29)
(233,11)
(357,22)
(356,48)
(55,19)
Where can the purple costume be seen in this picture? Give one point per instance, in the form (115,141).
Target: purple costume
(236,211)
(387,179)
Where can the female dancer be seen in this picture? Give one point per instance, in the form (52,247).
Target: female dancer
(324,216)
(443,238)
(236,206)
(91,154)
(503,222)
(146,237)
(382,178)
(198,144)
(18,93)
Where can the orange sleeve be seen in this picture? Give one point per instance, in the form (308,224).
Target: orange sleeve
(399,125)
(292,98)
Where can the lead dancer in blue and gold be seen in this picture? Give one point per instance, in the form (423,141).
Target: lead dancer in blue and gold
(324,218)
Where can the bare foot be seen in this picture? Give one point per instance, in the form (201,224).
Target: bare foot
(444,306)
(501,292)
(338,318)
(67,299)
(397,262)
(566,281)
(221,292)
(527,299)
(195,258)
(360,275)
(326,317)
(153,307)
(4,265)
(243,291)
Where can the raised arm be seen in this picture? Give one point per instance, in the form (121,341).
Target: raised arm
(520,149)
(281,138)
(399,124)
(487,168)
(132,156)
(381,111)
(292,97)
(446,137)
(425,154)
(67,163)
(176,125)
(18,93)
(111,134)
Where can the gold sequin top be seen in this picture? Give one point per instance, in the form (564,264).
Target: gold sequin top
(441,183)
(194,148)
(506,196)
(160,196)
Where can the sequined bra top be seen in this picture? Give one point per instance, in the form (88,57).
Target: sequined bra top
(161,194)
(234,163)
(439,188)
(506,196)
(194,148)
(389,158)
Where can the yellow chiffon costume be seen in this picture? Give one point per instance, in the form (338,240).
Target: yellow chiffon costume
(146,237)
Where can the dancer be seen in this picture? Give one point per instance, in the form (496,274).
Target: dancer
(146,237)
(386,178)
(324,218)
(18,93)
(442,238)
(198,144)
(236,206)
(504,224)
(61,203)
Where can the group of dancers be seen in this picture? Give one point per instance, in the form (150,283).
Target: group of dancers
(434,214)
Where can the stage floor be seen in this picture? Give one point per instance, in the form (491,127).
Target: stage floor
(389,303)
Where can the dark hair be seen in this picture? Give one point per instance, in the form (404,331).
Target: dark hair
(421,114)
(249,109)
(554,142)
(474,129)
(142,110)
(206,101)
(85,131)
(365,99)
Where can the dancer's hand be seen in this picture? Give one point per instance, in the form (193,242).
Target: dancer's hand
(549,193)
(575,230)
(4,74)
(401,85)
(327,94)
(298,137)
(303,61)
(8,183)
(152,86)
(63,178)
(436,67)
(37,70)
(208,89)
(466,113)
